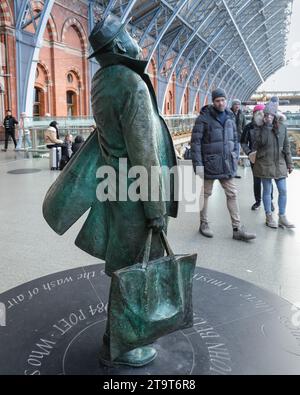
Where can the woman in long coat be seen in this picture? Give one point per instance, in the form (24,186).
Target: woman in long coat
(273,162)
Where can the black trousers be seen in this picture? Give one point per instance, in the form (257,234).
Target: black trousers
(257,187)
(10,133)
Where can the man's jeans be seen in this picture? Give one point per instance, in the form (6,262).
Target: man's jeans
(231,195)
(27,140)
(267,194)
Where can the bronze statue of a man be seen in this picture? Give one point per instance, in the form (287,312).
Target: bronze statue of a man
(129,128)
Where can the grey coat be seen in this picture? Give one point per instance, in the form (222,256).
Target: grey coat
(241,122)
(273,157)
(248,138)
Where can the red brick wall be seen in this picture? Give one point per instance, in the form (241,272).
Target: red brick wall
(170,101)
(152,71)
(8,52)
(65,52)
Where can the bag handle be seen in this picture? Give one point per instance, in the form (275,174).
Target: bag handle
(147,250)
(166,244)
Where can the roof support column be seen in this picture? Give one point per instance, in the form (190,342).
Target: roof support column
(28,49)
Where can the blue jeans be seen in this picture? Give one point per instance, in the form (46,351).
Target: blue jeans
(27,140)
(267,193)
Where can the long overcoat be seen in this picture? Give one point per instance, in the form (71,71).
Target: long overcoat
(130,128)
(273,156)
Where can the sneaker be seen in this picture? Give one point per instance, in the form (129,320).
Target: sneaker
(255,206)
(242,235)
(284,223)
(138,357)
(270,221)
(205,230)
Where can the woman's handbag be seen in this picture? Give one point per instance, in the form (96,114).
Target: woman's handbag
(252,157)
(150,299)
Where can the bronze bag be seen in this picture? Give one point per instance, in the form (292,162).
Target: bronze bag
(150,299)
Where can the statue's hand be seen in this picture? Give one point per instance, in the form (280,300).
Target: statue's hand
(157,224)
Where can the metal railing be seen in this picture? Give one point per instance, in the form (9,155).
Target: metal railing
(180,127)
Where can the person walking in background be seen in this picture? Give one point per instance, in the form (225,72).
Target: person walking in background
(240,120)
(274,103)
(24,133)
(79,141)
(248,144)
(66,151)
(68,141)
(273,162)
(9,124)
(215,147)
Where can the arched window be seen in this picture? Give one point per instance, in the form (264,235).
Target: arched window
(2,79)
(5,13)
(2,57)
(37,102)
(41,95)
(170,103)
(153,74)
(70,78)
(71,104)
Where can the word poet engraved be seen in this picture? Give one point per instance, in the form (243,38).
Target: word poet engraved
(65,324)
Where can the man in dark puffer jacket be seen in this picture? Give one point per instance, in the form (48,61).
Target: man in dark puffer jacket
(215,148)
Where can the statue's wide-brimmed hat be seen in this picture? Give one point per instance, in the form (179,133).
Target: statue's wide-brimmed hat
(104,32)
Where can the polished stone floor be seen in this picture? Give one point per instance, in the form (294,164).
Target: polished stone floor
(30,249)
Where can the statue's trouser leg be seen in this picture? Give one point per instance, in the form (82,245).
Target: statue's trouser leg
(106,336)
(137,357)
(146,353)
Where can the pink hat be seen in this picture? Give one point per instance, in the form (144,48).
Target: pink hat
(259,107)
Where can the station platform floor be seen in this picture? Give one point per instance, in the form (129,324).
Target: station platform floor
(30,249)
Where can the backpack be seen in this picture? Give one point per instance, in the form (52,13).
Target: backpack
(188,153)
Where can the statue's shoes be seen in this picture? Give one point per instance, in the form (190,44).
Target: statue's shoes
(138,357)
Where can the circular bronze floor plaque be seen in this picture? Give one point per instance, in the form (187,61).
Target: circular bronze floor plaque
(54,325)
